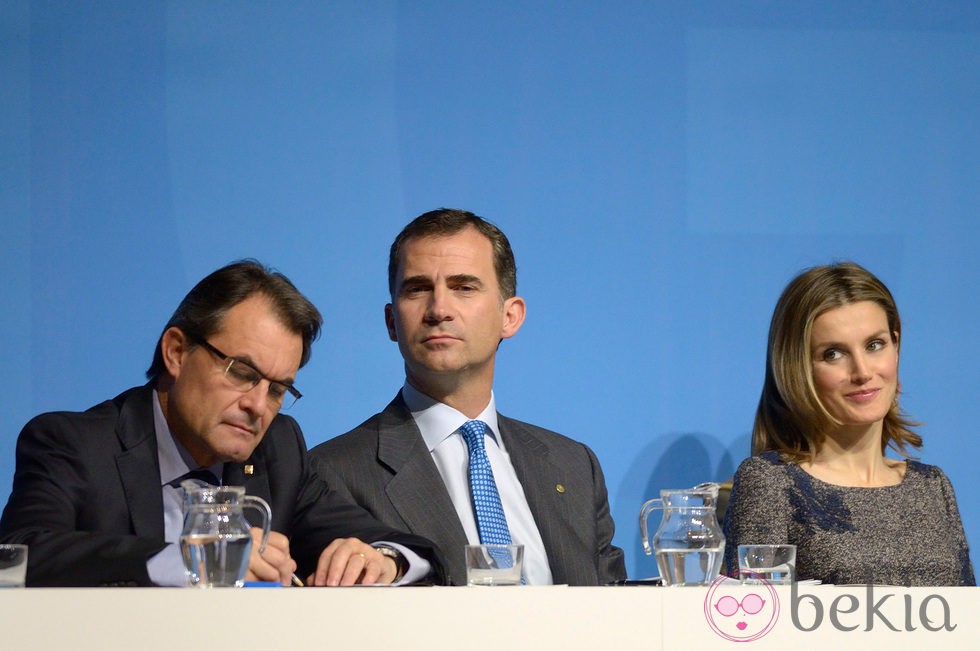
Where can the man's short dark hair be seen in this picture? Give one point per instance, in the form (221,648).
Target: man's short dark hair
(449,221)
(203,310)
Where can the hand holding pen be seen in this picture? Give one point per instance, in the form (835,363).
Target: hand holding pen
(272,561)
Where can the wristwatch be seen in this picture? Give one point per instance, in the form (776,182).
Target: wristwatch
(401,565)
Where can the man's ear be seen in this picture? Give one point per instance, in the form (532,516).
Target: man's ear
(174,346)
(390,322)
(515,309)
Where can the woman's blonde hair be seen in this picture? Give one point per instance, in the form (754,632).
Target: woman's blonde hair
(791,419)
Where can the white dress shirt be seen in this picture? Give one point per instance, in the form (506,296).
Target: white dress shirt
(439,425)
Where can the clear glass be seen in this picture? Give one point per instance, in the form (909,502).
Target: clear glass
(775,564)
(494,565)
(13,566)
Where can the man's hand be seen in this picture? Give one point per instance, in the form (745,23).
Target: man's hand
(273,564)
(347,561)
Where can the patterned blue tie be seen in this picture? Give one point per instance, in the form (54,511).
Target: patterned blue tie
(490,519)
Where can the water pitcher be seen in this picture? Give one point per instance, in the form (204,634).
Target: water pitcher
(216,542)
(689,544)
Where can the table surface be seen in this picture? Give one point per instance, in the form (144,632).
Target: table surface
(485,618)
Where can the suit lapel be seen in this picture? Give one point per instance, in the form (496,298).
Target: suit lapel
(541,479)
(138,463)
(416,491)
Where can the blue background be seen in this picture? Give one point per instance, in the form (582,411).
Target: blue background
(661,168)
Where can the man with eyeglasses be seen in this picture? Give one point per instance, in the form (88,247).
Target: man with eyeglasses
(97,495)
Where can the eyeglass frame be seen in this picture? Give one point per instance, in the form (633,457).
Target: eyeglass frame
(293,391)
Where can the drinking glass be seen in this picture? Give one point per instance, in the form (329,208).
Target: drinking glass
(13,566)
(775,564)
(494,564)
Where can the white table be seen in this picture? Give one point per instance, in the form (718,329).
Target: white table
(440,618)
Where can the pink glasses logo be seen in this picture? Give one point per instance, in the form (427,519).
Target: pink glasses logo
(741,616)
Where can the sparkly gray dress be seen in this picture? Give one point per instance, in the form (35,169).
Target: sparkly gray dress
(909,534)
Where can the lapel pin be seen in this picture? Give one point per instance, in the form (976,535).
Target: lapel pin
(249,469)
(560,488)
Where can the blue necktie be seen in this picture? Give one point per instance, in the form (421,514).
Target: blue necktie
(490,519)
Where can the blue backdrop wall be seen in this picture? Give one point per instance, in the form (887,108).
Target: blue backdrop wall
(662,169)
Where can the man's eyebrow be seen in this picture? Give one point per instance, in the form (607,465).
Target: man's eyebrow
(469,279)
(245,359)
(416,280)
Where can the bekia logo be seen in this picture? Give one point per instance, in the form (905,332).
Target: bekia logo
(739,615)
(746,612)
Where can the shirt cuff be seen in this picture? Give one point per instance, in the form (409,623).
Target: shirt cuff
(417,567)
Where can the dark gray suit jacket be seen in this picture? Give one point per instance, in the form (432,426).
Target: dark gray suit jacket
(87,496)
(386,467)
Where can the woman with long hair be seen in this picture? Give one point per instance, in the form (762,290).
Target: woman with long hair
(819,477)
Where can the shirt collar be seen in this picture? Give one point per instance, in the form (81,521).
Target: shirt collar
(438,421)
(175,460)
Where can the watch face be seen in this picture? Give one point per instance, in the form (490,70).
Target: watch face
(395,555)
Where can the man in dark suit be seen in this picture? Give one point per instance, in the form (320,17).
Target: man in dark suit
(453,282)
(96,494)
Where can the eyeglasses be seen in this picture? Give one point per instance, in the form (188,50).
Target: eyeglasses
(245,377)
(751,604)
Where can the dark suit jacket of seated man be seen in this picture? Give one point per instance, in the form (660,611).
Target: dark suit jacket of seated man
(386,467)
(87,495)
(452,279)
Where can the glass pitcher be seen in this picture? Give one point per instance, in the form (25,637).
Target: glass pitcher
(216,542)
(689,544)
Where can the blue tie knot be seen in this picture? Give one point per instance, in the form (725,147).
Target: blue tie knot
(473,433)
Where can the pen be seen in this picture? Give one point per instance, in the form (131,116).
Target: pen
(295,579)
